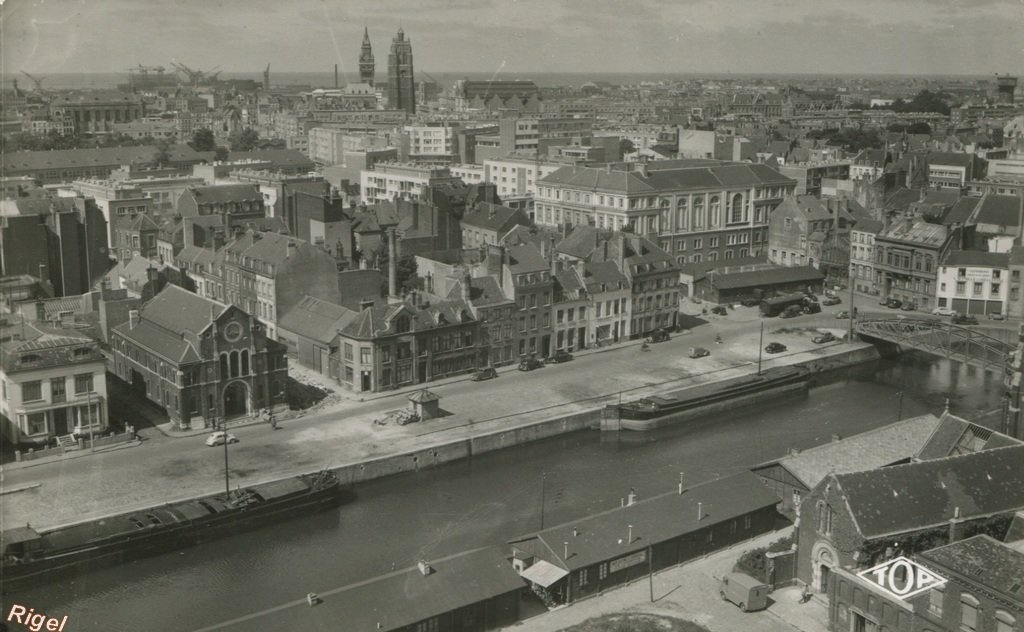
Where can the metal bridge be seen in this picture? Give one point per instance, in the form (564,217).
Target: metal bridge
(963,344)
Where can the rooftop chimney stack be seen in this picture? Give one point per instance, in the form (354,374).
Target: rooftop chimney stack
(133,318)
(629,537)
(392,267)
(700,511)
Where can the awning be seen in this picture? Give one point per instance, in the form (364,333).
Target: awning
(544,573)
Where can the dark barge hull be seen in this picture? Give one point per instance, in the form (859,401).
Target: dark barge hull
(156,539)
(656,412)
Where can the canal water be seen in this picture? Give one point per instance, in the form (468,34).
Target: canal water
(487,500)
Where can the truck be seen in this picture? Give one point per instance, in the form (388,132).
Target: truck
(743,590)
(776,305)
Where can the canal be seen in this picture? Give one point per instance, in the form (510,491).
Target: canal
(491,498)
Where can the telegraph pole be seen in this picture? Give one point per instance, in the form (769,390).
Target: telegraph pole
(760,348)
(849,335)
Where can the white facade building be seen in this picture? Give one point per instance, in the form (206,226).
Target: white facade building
(972,282)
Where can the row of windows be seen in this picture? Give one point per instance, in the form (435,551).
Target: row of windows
(33,391)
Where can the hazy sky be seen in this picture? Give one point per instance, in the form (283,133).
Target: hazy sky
(521,36)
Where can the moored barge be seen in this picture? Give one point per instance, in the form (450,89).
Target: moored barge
(33,557)
(657,411)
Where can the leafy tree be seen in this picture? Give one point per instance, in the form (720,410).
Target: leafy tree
(202,140)
(220,154)
(246,140)
(162,157)
(405,270)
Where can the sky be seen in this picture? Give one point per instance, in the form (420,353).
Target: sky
(927,37)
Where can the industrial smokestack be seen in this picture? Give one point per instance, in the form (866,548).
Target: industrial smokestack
(335,76)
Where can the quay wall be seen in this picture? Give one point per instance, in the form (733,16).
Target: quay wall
(454,450)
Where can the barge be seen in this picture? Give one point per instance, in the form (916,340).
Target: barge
(654,412)
(32,558)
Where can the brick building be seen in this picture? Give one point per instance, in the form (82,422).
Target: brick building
(855,520)
(201,360)
(231,202)
(907,256)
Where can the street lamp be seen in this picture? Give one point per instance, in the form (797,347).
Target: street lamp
(760,349)
(88,416)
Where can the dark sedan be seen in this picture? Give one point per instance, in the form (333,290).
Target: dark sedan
(485,374)
(530,364)
(775,347)
(560,356)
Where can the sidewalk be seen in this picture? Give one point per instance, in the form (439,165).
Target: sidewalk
(68,456)
(690,591)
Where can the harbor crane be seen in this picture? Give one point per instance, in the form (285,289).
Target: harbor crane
(36,80)
(195,76)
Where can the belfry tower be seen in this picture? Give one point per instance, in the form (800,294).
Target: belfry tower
(366,66)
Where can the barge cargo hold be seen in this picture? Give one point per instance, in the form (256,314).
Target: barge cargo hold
(654,412)
(33,558)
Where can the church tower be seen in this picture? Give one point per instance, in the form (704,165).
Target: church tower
(366,66)
(401,86)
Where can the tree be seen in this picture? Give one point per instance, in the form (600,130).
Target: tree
(162,157)
(405,270)
(202,140)
(220,154)
(246,140)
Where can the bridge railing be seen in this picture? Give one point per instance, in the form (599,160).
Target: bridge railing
(966,344)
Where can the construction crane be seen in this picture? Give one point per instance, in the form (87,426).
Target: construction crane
(36,80)
(194,76)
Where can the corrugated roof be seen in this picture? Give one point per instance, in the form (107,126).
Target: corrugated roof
(918,232)
(919,495)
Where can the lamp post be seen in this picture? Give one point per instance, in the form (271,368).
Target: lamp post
(760,349)
(88,415)
(227,482)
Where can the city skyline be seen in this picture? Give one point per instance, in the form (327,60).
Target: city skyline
(928,37)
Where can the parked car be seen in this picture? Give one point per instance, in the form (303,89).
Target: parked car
(743,590)
(812,307)
(659,335)
(996,316)
(791,311)
(908,307)
(943,311)
(964,319)
(560,356)
(831,294)
(894,303)
(530,364)
(220,437)
(720,310)
(775,347)
(884,301)
(750,302)
(485,374)
(823,338)
(698,352)
(843,314)
(828,301)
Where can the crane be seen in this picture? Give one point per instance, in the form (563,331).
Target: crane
(36,80)
(194,76)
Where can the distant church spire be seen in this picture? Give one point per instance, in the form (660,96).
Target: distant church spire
(401,84)
(366,65)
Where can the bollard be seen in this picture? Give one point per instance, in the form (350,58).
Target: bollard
(312,599)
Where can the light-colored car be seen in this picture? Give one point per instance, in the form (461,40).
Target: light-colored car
(698,352)
(943,311)
(220,437)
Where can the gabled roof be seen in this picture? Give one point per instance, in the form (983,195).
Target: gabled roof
(872,226)
(926,494)
(601,276)
(376,321)
(526,258)
(316,320)
(953,436)
(865,451)
(598,179)
(581,241)
(961,211)
(917,232)
(495,217)
(177,310)
(483,292)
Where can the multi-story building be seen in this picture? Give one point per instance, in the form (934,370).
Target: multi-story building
(136,238)
(392,346)
(516,177)
(62,240)
(487,223)
(406,181)
(430,143)
(572,305)
(862,255)
(801,225)
(65,165)
(280,189)
(610,294)
(468,173)
(54,383)
(401,83)
(907,256)
(981,591)
(950,170)
(118,201)
(691,209)
(528,273)
(231,202)
(974,282)
(809,175)
(495,95)
(496,312)
(202,360)
(267,274)
(94,111)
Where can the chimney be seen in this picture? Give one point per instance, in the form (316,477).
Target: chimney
(133,318)
(365,304)
(565,550)
(151,273)
(631,498)
(629,535)
(425,568)
(575,532)
(700,511)
(956,527)
(392,266)
(467,284)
